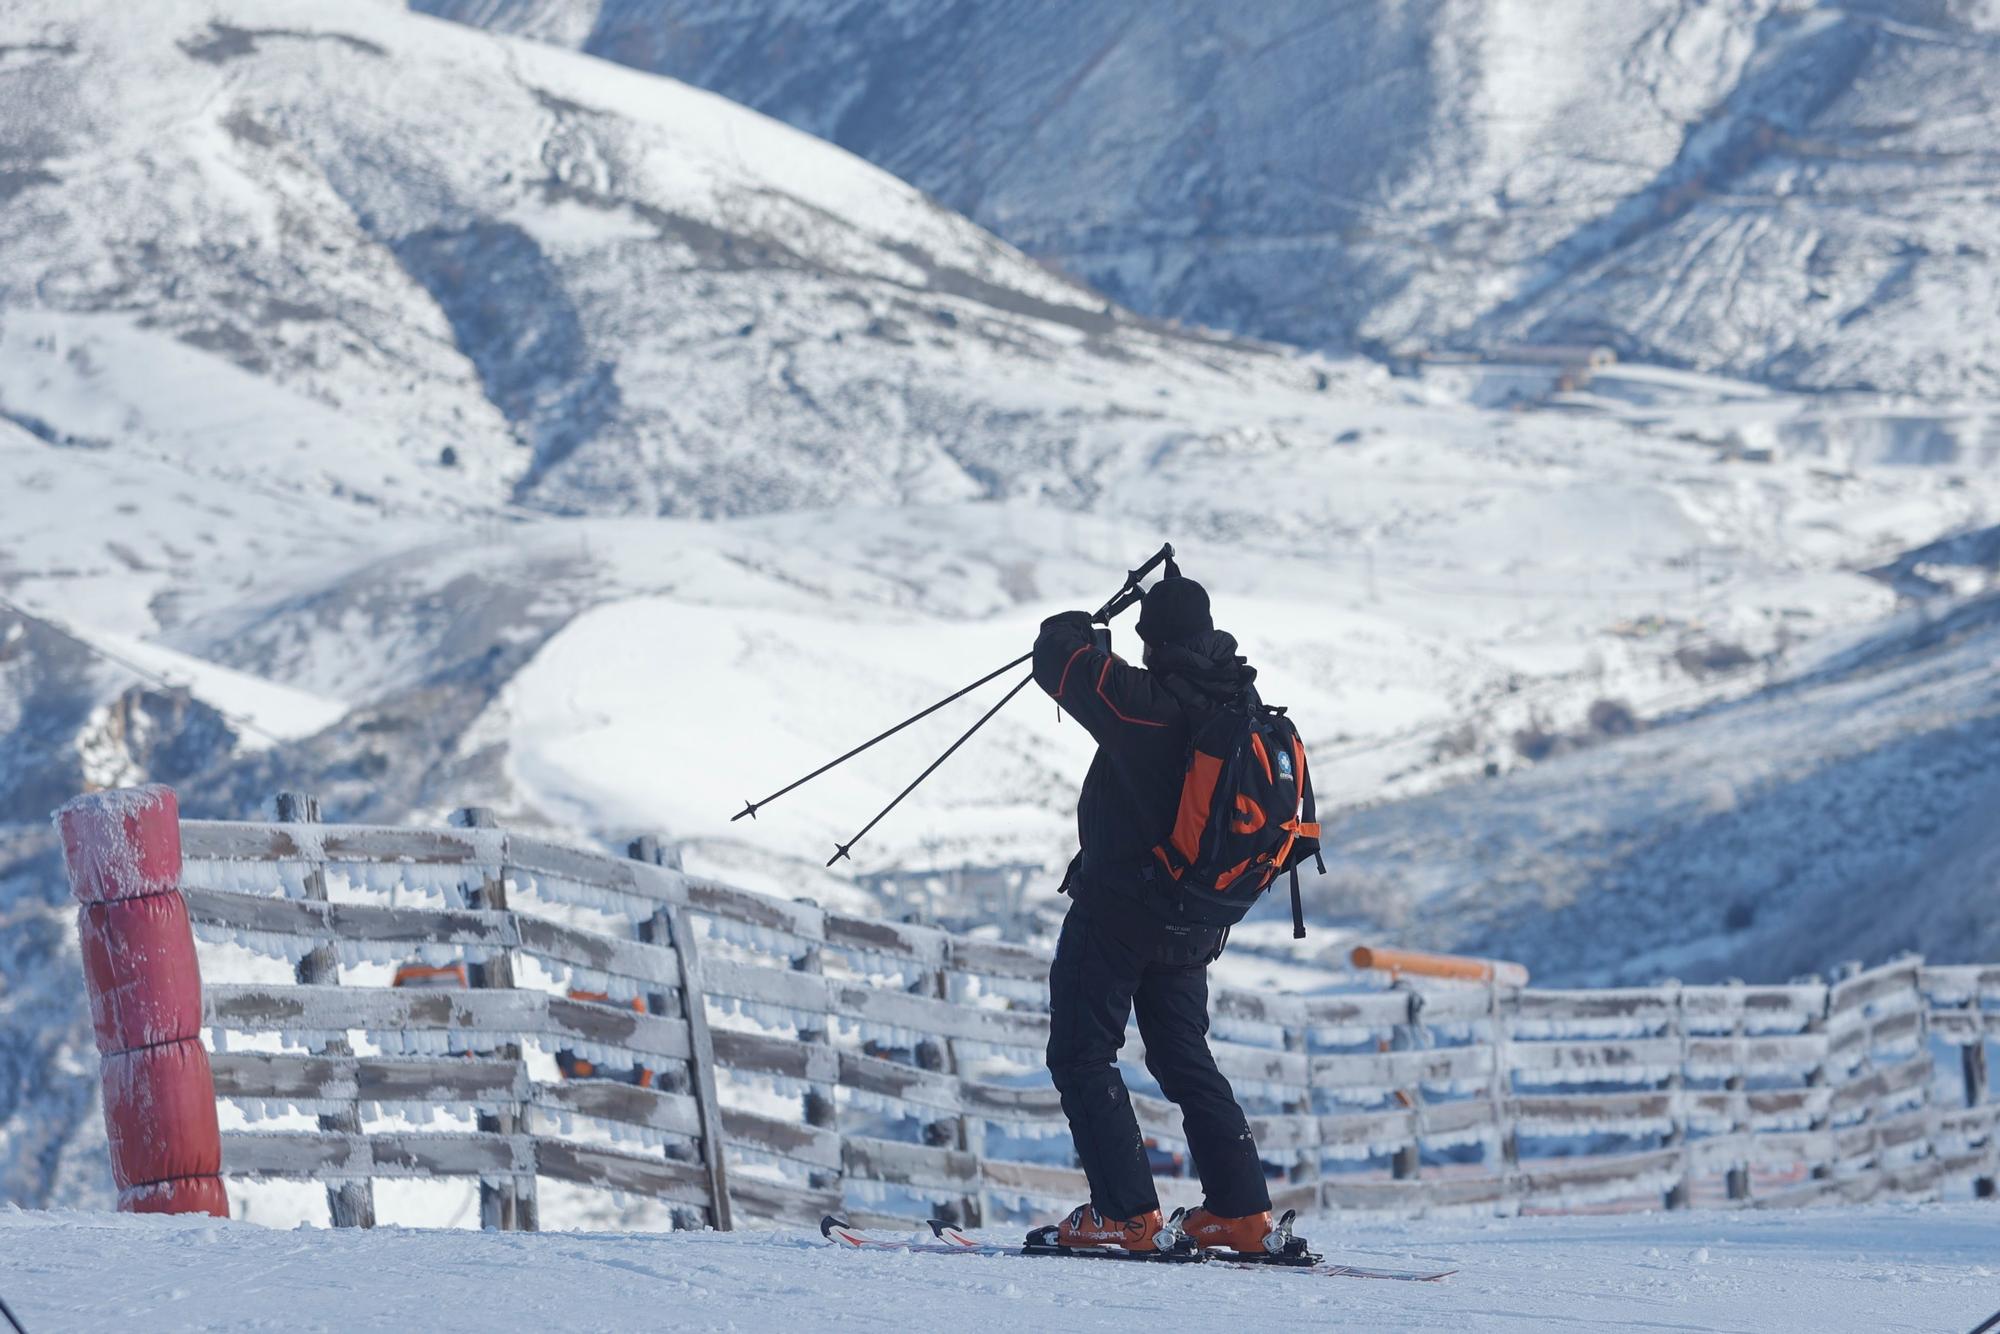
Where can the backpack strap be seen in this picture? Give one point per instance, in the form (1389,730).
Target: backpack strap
(1298,909)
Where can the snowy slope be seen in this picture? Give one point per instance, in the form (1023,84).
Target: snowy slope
(366,253)
(1797,192)
(1845,811)
(1873,1270)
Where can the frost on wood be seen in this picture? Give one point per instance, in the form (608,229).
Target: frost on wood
(1588,1089)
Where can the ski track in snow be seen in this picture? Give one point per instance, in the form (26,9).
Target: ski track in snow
(1878,1269)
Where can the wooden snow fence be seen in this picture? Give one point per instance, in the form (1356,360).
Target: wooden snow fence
(801,1061)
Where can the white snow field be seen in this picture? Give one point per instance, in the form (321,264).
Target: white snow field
(1877,1270)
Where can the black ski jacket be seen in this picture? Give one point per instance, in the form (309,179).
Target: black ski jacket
(1140,720)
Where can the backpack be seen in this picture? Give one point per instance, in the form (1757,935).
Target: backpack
(1246,814)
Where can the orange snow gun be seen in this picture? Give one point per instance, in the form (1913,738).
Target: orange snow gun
(1453,967)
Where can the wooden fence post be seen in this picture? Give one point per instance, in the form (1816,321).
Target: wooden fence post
(701,1065)
(512,1207)
(669,926)
(1305,1160)
(818,1106)
(1817,1078)
(1737,1179)
(1972,1067)
(950,1132)
(348,1203)
(658,930)
(1680,1195)
(1407,1163)
(1500,1087)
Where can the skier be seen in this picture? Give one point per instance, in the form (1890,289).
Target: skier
(1130,941)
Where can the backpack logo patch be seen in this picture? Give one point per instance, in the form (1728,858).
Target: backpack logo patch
(1285,765)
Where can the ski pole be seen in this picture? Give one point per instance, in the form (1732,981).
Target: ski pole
(1126,595)
(1129,592)
(840,849)
(750,808)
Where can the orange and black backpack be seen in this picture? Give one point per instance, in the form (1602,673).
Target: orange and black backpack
(1246,813)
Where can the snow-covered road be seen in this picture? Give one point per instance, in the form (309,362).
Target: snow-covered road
(1930,1268)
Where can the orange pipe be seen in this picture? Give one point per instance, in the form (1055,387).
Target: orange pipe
(1458,967)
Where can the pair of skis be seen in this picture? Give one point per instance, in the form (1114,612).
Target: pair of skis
(950,1241)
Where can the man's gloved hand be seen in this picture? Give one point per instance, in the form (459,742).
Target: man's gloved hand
(1077,618)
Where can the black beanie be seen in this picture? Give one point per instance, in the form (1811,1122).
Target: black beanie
(1173,611)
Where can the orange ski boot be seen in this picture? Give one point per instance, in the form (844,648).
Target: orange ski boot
(1245,1234)
(1086,1228)
(1251,1237)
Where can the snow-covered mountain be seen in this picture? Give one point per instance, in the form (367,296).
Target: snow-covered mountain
(1791,191)
(427,418)
(1843,811)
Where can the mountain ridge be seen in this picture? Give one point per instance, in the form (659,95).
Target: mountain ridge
(1439,174)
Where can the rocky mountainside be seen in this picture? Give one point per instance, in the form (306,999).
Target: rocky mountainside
(1790,191)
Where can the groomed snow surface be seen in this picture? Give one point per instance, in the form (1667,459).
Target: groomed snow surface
(1878,1269)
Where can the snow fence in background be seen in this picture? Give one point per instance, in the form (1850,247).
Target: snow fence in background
(586,1033)
(123,852)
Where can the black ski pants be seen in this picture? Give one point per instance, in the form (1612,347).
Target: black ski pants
(1111,960)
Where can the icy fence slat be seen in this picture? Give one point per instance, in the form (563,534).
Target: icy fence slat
(1875,984)
(1958,984)
(779,1057)
(228,840)
(937,1018)
(1860,1037)
(894,1163)
(1784,1054)
(1769,1149)
(321,1155)
(372,924)
(1256,1007)
(1642,1058)
(765,985)
(1381,1009)
(1386,1130)
(318,920)
(1879,1084)
(1555,1113)
(295,1077)
(991,958)
(499,1015)
(1401,1069)
(1874,1136)
(1965,1027)
(609,1169)
(931,1089)
(924,945)
(1653,1004)
(655,885)
(802,920)
(628,1104)
(815,1146)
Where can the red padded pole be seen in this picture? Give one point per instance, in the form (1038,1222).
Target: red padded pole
(123,850)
